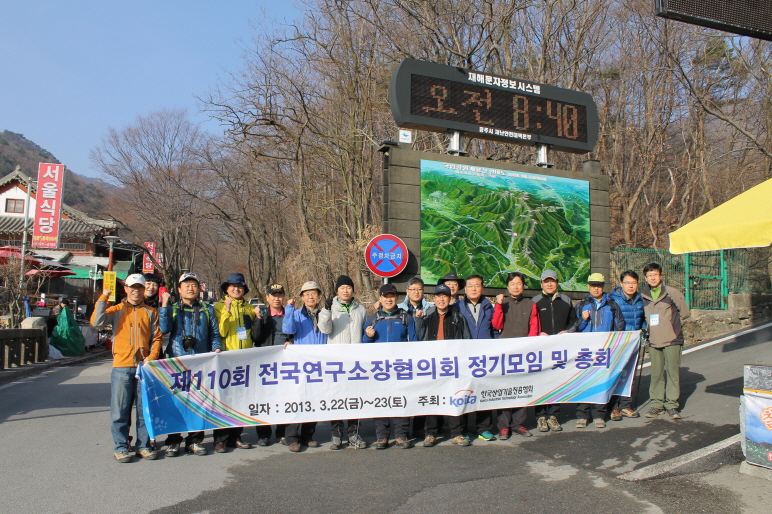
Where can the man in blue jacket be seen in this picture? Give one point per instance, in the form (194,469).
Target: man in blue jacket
(630,301)
(193,330)
(415,300)
(390,324)
(303,325)
(596,313)
(478,313)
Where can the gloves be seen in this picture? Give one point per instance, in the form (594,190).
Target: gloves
(328,304)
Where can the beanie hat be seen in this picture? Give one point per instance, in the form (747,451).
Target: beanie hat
(344,280)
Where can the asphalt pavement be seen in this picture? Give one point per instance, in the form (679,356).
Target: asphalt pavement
(57,457)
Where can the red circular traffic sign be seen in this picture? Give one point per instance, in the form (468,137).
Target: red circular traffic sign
(386,255)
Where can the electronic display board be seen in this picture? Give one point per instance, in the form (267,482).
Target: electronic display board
(747,17)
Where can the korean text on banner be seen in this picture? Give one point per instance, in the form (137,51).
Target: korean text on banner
(147,262)
(48,205)
(109,283)
(303,383)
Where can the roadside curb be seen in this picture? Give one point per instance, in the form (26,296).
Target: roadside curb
(710,457)
(13,374)
(756,471)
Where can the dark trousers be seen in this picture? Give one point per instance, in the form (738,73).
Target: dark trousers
(300,432)
(227,435)
(584,410)
(336,427)
(512,418)
(484,421)
(545,411)
(418,425)
(456,424)
(620,402)
(383,427)
(264,431)
(193,437)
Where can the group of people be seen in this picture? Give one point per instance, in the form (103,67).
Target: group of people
(233,324)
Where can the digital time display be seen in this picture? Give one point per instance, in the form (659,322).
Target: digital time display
(436,97)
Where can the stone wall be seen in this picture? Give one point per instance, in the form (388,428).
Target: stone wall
(745,309)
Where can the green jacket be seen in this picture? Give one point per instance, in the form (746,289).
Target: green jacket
(665,316)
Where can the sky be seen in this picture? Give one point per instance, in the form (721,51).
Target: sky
(71,69)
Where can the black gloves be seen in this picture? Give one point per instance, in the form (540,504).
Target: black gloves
(328,304)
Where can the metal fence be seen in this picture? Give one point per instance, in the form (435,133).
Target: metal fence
(706,278)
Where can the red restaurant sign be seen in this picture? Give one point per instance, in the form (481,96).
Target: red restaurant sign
(147,263)
(48,205)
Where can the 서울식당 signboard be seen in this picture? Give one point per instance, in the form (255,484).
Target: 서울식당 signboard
(48,206)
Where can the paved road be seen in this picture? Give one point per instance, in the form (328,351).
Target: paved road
(57,457)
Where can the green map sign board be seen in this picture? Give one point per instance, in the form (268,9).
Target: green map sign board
(490,221)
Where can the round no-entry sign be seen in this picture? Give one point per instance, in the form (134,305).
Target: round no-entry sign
(386,255)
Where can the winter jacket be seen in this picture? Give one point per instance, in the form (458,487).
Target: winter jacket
(408,307)
(397,326)
(343,324)
(135,331)
(267,330)
(605,317)
(632,309)
(241,314)
(483,327)
(298,322)
(665,316)
(556,312)
(454,325)
(516,317)
(179,320)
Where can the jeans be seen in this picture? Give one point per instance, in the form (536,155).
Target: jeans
(124,391)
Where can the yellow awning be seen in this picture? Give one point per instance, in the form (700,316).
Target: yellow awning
(745,221)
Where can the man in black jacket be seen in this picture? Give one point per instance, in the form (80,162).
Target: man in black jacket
(556,312)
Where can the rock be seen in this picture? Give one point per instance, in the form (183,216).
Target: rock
(33,322)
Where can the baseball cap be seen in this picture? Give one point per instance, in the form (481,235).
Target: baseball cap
(310,285)
(275,289)
(386,289)
(188,276)
(135,279)
(548,273)
(441,289)
(596,278)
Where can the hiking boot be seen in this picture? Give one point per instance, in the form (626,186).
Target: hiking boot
(460,440)
(241,444)
(172,450)
(403,443)
(356,442)
(294,447)
(630,413)
(542,425)
(504,434)
(262,442)
(197,449)
(148,453)
(220,447)
(616,415)
(381,444)
(673,413)
(599,423)
(486,436)
(653,413)
(523,432)
(335,443)
(312,444)
(122,456)
(283,441)
(554,424)
(581,423)
(429,441)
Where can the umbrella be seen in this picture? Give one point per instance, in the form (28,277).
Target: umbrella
(11,252)
(745,221)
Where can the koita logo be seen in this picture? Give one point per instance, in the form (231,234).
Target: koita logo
(463,397)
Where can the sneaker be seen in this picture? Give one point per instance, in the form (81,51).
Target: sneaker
(630,413)
(460,440)
(673,413)
(335,443)
(523,432)
(653,413)
(616,415)
(312,444)
(148,453)
(542,425)
(429,441)
(356,442)
(172,450)
(381,444)
(243,445)
(504,434)
(486,436)
(294,447)
(468,437)
(220,447)
(197,449)
(122,456)
(599,423)
(554,424)
(581,423)
(262,442)
(403,443)
(283,441)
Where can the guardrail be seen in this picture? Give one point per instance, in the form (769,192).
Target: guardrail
(20,346)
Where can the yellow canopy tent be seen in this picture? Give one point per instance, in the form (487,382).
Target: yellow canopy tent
(744,221)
